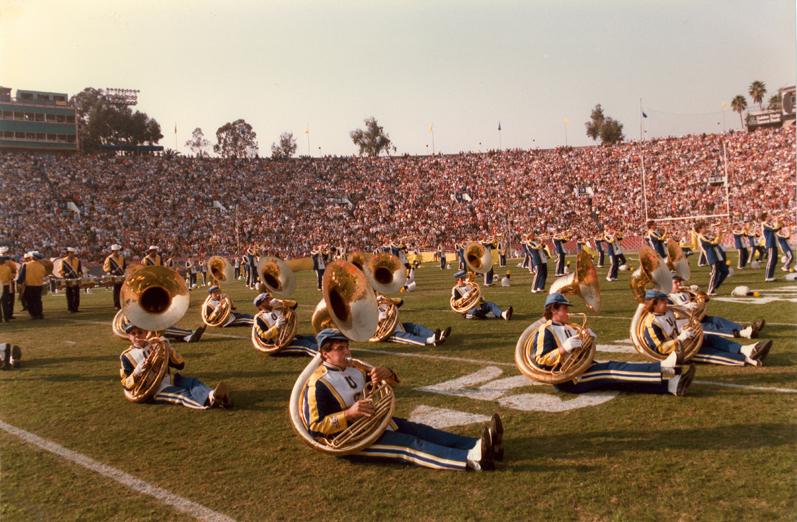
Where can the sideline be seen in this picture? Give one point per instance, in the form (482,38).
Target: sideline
(179,503)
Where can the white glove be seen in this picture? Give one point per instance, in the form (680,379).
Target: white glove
(686,334)
(139,368)
(571,344)
(382,316)
(281,321)
(592,334)
(694,288)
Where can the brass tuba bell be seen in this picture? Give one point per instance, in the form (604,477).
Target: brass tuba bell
(478,258)
(358,259)
(652,269)
(385,273)
(676,260)
(583,282)
(220,269)
(350,301)
(276,275)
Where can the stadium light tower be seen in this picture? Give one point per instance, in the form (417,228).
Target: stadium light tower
(122,97)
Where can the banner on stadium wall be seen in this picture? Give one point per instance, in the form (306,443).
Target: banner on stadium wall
(716,180)
(461,196)
(584,191)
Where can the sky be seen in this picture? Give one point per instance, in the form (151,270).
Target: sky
(439,76)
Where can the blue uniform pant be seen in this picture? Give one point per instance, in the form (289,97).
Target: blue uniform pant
(560,264)
(719,350)
(418,444)
(488,277)
(742,258)
(719,271)
(614,266)
(789,258)
(241,320)
(481,311)
(320,277)
(629,377)
(701,260)
(188,391)
(719,326)
(772,262)
(600,258)
(415,334)
(540,275)
(301,345)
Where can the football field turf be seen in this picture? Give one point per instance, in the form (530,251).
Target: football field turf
(74,449)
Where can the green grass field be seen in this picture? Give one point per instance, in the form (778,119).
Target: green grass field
(725,452)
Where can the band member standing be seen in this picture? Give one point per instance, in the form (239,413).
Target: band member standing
(739,237)
(71,268)
(269,322)
(460,250)
(783,241)
(503,248)
(251,263)
(173,389)
(539,263)
(237,267)
(31,278)
(598,240)
(441,252)
(319,264)
(559,240)
(202,266)
(770,231)
(5,280)
(115,265)
(10,291)
(611,241)
(152,258)
(655,239)
(190,267)
(489,246)
(714,257)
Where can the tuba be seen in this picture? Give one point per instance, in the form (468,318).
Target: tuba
(287,332)
(470,300)
(218,316)
(220,270)
(153,298)
(478,258)
(118,325)
(388,325)
(277,275)
(358,259)
(350,305)
(584,284)
(385,273)
(676,260)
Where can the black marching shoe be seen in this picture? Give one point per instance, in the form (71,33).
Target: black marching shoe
(685,380)
(760,351)
(16,356)
(486,463)
(496,437)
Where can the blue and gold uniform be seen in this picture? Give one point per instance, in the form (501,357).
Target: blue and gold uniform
(739,238)
(770,230)
(115,265)
(559,240)
(539,265)
(656,240)
(267,329)
(710,247)
(332,389)
(783,242)
(483,310)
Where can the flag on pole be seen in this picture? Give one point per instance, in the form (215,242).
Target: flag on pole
(307,130)
(644,115)
(431,127)
(499,125)
(724,106)
(175,127)
(567,122)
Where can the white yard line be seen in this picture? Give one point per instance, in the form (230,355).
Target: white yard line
(170,499)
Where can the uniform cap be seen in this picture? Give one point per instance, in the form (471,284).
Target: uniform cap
(556,297)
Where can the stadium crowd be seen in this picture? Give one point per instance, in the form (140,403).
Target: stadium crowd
(293,206)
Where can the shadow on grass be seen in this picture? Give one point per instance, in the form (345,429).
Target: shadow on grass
(60,361)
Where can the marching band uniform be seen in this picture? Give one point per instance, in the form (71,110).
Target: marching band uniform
(237,267)
(484,310)
(251,263)
(203,269)
(599,247)
(460,250)
(152,258)
(618,236)
(754,247)
(31,276)
(408,333)
(656,241)
(6,277)
(783,241)
(488,277)
(559,249)
(115,265)
(771,244)
(332,389)
(739,236)
(319,264)
(662,336)
(539,264)
(611,248)
(71,268)
(267,326)
(503,248)
(714,256)
(191,268)
(630,377)
(234,319)
(441,253)
(524,244)
(173,389)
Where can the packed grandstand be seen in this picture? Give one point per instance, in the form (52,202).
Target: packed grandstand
(290,207)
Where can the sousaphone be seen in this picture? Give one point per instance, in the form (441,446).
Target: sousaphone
(386,274)
(220,270)
(350,305)
(278,278)
(584,284)
(153,298)
(478,260)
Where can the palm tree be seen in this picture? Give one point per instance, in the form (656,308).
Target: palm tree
(757,91)
(738,104)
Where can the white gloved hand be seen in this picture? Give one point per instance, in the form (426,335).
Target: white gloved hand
(382,316)
(592,334)
(281,321)
(571,344)
(686,334)
(139,368)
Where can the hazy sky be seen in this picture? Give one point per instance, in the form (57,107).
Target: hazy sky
(461,66)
